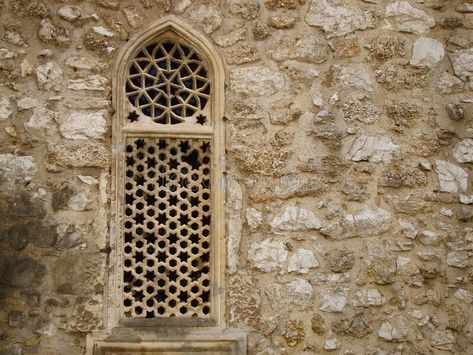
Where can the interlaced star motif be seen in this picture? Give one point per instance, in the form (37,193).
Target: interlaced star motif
(168,82)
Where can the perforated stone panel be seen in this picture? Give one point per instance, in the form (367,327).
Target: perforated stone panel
(168,82)
(167,228)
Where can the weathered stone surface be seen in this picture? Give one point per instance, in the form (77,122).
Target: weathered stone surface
(448,84)
(427,52)
(463,151)
(91,83)
(371,297)
(302,261)
(332,344)
(340,260)
(42,121)
(333,299)
(357,326)
(52,34)
(243,53)
(233,210)
(395,329)
(428,237)
(443,340)
(86,316)
(397,78)
(455,112)
(256,81)
(48,75)
(353,76)
(78,154)
(345,47)
(16,169)
(260,31)
(337,18)
(321,278)
(244,300)
(84,125)
(462,62)
(285,187)
(451,178)
(398,175)
(295,219)
(368,222)
(70,13)
(294,333)
(361,110)
(268,255)
(254,218)
(5,108)
(401,16)
(21,272)
(383,48)
(207,17)
(310,48)
(85,63)
(283,22)
(226,40)
(374,149)
(318,324)
(26,103)
(457,259)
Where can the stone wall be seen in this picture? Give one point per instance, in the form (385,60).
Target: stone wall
(349,149)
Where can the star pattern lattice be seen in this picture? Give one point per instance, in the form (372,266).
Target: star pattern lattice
(169,83)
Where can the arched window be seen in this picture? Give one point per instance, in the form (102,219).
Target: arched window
(167,224)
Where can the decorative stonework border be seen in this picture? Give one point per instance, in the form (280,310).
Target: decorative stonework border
(209,343)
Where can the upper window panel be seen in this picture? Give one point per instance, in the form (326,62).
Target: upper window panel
(169,83)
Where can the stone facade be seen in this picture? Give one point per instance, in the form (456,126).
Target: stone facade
(349,148)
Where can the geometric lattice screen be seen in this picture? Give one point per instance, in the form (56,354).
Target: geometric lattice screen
(168,82)
(167,228)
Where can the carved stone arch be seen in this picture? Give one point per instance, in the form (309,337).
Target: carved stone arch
(139,134)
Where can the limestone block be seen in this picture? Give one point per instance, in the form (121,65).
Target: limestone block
(427,52)
(48,75)
(462,62)
(301,261)
(90,83)
(370,297)
(448,84)
(368,221)
(451,177)
(374,149)
(70,13)
(52,34)
(338,18)
(333,299)
(254,218)
(268,255)
(295,219)
(207,17)
(256,81)
(17,169)
(5,108)
(463,151)
(79,154)
(395,329)
(84,125)
(401,16)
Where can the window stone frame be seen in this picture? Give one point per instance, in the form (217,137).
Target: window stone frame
(169,27)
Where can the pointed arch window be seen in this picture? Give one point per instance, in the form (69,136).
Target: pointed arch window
(168,211)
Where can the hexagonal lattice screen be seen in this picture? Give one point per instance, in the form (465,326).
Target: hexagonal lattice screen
(167,228)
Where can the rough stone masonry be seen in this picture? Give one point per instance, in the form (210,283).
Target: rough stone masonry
(349,143)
